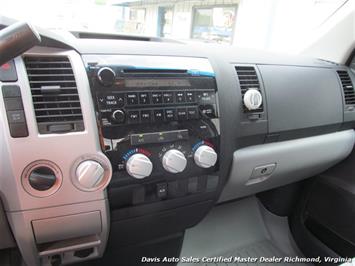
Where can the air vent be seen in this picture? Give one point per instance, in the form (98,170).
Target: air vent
(54,94)
(248,79)
(348,88)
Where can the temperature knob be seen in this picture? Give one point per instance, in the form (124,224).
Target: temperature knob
(139,166)
(252,99)
(174,161)
(89,174)
(205,156)
(106,76)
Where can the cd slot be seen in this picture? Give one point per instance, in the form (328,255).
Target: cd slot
(154,71)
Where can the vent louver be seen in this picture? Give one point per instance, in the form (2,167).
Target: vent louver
(54,94)
(348,88)
(248,79)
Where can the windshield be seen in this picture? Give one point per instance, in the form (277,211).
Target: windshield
(274,25)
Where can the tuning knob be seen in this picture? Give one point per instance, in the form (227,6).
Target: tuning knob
(139,166)
(106,76)
(89,174)
(118,116)
(205,156)
(252,99)
(174,161)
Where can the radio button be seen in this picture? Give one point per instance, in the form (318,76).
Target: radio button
(190,96)
(170,114)
(192,113)
(120,99)
(144,98)
(206,97)
(157,97)
(133,117)
(168,97)
(132,98)
(181,113)
(208,110)
(159,115)
(180,96)
(146,116)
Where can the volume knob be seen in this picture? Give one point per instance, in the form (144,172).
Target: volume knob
(106,76)
(174,161)
(139,166)
(205,156)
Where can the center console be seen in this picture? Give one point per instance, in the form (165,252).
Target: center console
(159,123)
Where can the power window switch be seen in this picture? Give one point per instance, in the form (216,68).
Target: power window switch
(162,190)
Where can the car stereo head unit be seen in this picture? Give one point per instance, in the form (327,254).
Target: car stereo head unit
(127,94)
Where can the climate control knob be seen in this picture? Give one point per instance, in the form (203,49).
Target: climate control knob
(205,156)
(106,76)
(89,174)
(174,161)
(252,99)
(139,166)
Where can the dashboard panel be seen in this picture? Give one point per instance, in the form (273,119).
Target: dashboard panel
(128,135)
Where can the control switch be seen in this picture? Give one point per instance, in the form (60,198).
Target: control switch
(139,166)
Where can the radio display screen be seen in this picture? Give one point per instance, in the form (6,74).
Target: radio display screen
(142,83)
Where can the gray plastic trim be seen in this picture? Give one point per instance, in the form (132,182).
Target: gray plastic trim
(6,239)
(52,229)
(294,159)
(64,150)
(21,223)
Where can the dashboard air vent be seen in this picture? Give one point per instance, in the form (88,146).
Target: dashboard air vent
(348,88)
(54,94)
(248,79)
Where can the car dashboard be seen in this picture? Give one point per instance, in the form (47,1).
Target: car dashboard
(125,141)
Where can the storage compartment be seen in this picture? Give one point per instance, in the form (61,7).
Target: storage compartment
(67,227)
(262,167)
(301,97)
